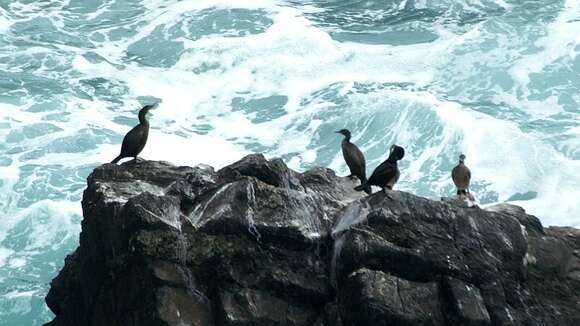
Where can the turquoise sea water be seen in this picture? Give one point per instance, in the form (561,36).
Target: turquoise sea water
(497,80)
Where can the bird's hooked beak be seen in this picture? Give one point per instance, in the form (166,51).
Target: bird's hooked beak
(338,132)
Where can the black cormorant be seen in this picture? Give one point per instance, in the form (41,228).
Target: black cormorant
(353,157)
(461,177)
(387,173)
(136,138)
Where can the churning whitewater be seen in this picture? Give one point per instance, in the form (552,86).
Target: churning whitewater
(495,80)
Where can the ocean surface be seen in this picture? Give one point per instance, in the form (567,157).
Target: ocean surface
(498,80)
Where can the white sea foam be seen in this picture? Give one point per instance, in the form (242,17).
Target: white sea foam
(4,254)
(513,162)
(20,302)
(561,41)
(4,22)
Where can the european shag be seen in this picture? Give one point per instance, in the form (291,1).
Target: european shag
(461,177)
(354,158)
(387,173)
(136,138)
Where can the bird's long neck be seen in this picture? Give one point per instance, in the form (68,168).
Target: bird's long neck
(346,139)
(142,119)
(392,158)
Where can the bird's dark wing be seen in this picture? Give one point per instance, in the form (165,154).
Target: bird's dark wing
(454,173)
(361,158)
(355,160)
(461,176)
(383,173)
(134,141)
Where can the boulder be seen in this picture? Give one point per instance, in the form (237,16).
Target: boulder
(256,243)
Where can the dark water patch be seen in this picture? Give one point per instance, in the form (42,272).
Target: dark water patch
(261,109)
(386,37)
(122,32)
(554,125)
(255,147)
(39,129)
(53,182)
(15,136)
(97,37)
(497,109)
(30,83)
(331,93)
(202,128)
(126,121)
(560,79)
(483,195)
(42,29)
(15,150)
(226,22)
(208,67)
(86,139)
(149,100)
(84,6)
(158,49)
(529,195)
(118,13)
(5,161)
(57,117)
(96,58)
(102,88)
(47,105)
(396,22)
(568,102)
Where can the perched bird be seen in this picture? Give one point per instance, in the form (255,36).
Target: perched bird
(136,138)
(353,157)
(461,177)
(387,173)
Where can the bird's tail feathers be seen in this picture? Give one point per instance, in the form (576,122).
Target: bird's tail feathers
(364,187)
(117,159)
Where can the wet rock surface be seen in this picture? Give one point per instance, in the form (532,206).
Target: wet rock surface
(256,243)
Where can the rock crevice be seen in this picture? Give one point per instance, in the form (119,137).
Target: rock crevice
(257,243)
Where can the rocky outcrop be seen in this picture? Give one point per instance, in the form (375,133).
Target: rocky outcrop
(256,243)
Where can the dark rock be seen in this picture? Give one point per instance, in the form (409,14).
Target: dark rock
(465,304)
(176,306)
(553,265)
(273,172)
(376,298)
(254,307)
(256,243)
(530,222)
(250,206)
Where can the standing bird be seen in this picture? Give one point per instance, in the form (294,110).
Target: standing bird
(353,157)
(387,173)
(136,138)
(461,177)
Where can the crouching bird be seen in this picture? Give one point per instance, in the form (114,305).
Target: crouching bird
(136,138)
(354,158)
(387,173)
